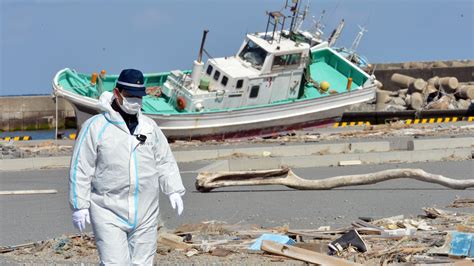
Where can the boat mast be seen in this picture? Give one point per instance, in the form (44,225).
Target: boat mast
(300,17)
(336,33)
(204,34)
(198,65)
(356,42)
(295,10)
(319,26)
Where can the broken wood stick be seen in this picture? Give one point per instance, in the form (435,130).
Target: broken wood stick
(302,254)
(28,192)
(206,182)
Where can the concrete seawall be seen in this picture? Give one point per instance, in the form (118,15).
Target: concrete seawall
(32,113)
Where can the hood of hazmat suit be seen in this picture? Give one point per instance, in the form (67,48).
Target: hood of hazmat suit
(118,178)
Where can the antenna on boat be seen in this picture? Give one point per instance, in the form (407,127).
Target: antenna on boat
(198,65)
(319,26)
(300,17)
(356,42)
(295,9)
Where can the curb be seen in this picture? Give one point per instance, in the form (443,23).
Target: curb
(298,155)
(284,151)
(336,159)
(34,163)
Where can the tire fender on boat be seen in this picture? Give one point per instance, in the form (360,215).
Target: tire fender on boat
(180,103)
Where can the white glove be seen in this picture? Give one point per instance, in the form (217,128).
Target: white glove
(176,201)
(79,219)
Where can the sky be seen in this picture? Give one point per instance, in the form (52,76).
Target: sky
(40,37)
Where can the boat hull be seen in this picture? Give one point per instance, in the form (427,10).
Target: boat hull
(242,122)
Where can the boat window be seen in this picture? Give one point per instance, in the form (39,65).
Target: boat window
(216,75)
(286,60)
(240,82)
(254,91)
(209,70)
(224,80)
(253,54)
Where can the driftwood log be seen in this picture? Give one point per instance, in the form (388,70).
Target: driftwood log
(206,182)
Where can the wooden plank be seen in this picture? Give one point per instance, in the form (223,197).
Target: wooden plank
(172,241)
(350,162)
(303,254)
(28,192)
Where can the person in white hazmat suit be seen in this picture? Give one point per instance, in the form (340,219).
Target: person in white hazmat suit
(120,160)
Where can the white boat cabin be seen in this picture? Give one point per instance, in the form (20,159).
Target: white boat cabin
(266,69)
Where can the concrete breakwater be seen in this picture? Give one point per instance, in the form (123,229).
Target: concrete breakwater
(38,112)
(462,70)
(33,113)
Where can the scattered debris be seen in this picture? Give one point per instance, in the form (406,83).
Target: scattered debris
(438,236)
(463,203)
(172,241)
(302,254)
(349,240)
(282,239)
(461,245)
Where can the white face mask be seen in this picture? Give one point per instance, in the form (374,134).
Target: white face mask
(131,105)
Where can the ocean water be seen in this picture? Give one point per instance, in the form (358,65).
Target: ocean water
(37,134)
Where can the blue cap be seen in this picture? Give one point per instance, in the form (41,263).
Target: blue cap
(132,81)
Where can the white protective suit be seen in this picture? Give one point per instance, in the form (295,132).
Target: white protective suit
(118,179)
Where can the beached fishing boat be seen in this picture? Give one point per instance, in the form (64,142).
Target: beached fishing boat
(275,82)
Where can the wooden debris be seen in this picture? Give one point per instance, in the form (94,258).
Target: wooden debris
(220,252)
(206,182)
(423,247)
(172,241)
(303,254)
(28,192)
(463,203)
(350,162)
(320,246)
(465,228)
(191,252)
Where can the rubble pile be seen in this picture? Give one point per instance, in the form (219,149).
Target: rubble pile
(437,236)
(12,150)
(397,129)
(436,93)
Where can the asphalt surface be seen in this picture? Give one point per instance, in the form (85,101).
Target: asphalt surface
(27,218)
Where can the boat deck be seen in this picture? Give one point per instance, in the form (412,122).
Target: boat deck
(327,66)
(153,105)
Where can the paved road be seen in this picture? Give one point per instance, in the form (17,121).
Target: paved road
(36,217)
